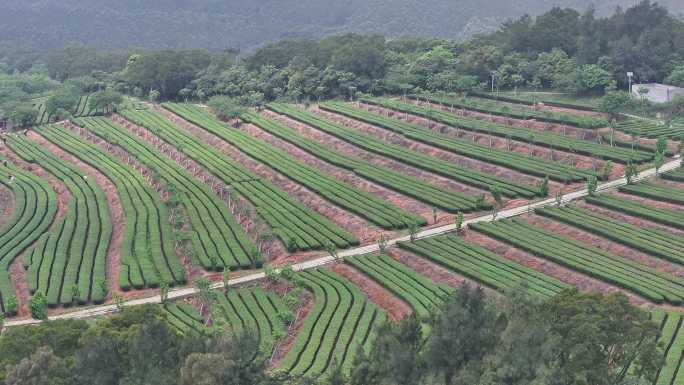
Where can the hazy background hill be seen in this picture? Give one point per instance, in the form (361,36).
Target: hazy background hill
(218,24)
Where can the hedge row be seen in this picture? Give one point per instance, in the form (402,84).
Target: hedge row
(483,266)
(147,251)
(80,110)
(529,135)
(514,111)
(43,116)
(291,221)
(183,317)
(642,280)
(674,175)
(83,109)
(633,208)
(357,201)
(340,322)
(519,100)
(649,129)
(651,241)
(424,296)
(672,340)
(35,206)
(255,310)
(656,192)
(435,196)
(516,161)
(68,264)
(219,241)
(630,144)
(404,155)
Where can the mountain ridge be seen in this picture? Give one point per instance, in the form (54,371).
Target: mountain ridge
(218,24)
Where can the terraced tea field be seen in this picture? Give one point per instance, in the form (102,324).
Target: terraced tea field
(197,196)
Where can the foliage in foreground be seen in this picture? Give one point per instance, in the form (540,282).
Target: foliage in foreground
(572,338)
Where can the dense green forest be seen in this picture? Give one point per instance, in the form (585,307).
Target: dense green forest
(242,24)
(562,49)
(571,339)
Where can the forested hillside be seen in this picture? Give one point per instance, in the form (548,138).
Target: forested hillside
(241,24)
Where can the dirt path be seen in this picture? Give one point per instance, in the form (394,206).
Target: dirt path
(6,205)
(605,245)
(284,346)
(115,209)
(365,232)
(581,281)
(395,307)
(580,161)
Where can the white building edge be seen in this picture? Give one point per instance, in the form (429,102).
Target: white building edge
(657,93)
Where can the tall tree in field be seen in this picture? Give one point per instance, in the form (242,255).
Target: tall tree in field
(614,103)
(600,338)
(464,335)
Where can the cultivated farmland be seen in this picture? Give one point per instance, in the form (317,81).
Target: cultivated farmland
(513,111)
(68,263)
(650,129)
(35,206)
(546,139)
(202,198)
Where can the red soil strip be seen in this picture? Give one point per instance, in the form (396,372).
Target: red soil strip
(580,161)
(400,140)
(19,280)
(278,286)
(395,307)
(6,205)
(241,209)
(190,270)
(356,225)
(284,346)
(338,173)
(356,152)
(547,267)
(668,183)
(572,111)
(17,272)
(576,132)
(115,209)
(435,272)
(636,221)
(650,202)
(605,245)
(352,151)
(672,145)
